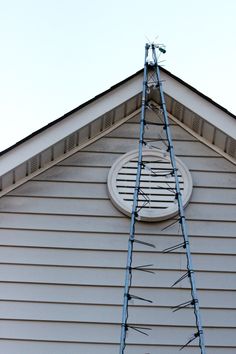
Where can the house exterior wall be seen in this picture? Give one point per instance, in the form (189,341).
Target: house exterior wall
(63,253)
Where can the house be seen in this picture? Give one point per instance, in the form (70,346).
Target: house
(64,242)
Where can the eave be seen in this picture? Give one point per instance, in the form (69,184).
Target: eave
(92,120)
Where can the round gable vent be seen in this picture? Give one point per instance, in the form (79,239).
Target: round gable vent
(157,195)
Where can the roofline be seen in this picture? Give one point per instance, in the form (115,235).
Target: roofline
(74,110)
(207,98)
(54,122)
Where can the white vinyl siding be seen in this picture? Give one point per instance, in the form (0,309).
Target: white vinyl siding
(63,253)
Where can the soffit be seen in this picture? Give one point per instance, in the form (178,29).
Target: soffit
(69,144)
(204,128)
(105,113)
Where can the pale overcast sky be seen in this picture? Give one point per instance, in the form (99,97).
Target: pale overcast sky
(56,54)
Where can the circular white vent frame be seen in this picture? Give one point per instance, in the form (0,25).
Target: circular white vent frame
(157,197)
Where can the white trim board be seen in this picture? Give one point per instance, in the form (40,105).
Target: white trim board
(67,126)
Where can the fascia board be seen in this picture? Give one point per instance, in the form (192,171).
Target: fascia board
(199,105)
(65,127)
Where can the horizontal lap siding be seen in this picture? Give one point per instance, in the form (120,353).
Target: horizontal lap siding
(109,295)
(202,194)
(39,347)
(106,259)
(111,277)
(27,205)
(63,252)
(154,316)
(188,148)
(81,332)
(111,224)
(85,241)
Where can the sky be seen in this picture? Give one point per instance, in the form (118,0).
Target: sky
(57,54)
